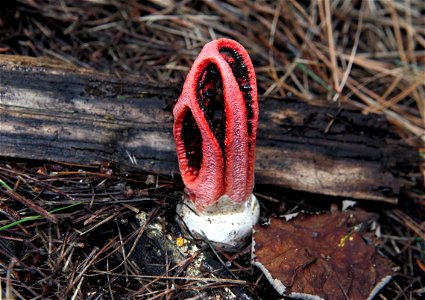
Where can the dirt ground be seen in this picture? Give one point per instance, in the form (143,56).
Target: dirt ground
(363,54)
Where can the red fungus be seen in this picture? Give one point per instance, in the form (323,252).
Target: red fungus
(216,123)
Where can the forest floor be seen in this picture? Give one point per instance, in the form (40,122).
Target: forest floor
(70,231)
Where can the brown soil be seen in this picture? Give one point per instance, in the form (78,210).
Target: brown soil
(70,231)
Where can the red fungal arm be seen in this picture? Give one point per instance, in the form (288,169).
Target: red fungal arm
(215,124)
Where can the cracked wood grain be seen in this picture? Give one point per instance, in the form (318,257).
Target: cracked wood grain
(61,113)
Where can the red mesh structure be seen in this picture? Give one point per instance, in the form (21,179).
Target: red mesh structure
(215,124)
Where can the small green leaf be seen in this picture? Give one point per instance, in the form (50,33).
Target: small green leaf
(33,218)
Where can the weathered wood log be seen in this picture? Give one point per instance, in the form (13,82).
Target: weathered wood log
(60,113)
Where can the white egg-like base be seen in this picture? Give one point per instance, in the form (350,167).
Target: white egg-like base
(225,223)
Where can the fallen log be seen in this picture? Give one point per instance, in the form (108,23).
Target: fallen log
(61,113)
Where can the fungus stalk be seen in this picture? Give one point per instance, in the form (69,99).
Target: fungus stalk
(215,125)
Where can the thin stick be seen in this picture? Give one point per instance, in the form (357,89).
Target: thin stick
(331,44)
(38,209)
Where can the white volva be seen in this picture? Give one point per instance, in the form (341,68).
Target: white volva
(225,223)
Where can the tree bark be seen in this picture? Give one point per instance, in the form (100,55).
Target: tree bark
(60,113)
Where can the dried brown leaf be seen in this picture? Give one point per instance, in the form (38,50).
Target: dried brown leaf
(323,255)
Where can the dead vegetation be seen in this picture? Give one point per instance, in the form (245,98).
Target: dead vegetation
(69,231)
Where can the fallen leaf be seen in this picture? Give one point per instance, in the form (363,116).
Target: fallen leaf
(326,256)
